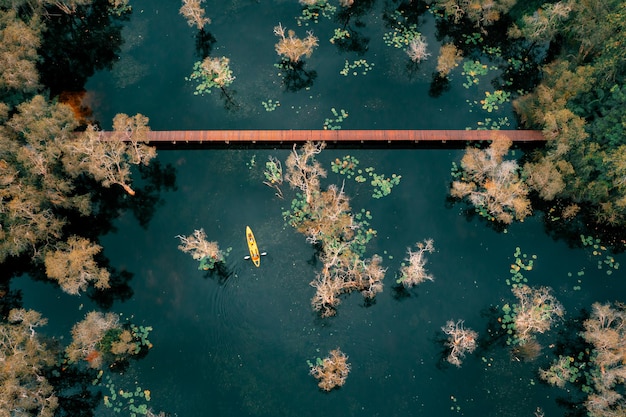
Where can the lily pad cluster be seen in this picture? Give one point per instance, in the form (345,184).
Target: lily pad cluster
(133,403)
(359,66)
(382,184)
(270,105)
(402,33)
(335,123)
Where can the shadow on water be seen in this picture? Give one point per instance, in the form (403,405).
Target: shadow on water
(438,85)
(77,45)
(204,43)
(349,19)
(73,388)
(295,77)
(119,290)
(220,273)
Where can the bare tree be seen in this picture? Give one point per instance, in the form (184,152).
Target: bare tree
(292,47)
(193,12)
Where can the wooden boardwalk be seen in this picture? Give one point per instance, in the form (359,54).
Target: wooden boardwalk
(335,136)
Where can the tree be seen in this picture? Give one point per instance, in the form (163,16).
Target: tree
(291,47)
(324,218)
(535,311)
(193,12)
(200,249)
(414,272)
(72,264)
(19,41)
(24,390)
(460,341)
(480,12)
(417,49)
(212,72)
(448,59)
(109,159)
(492,184)
(100,339)
(331,371)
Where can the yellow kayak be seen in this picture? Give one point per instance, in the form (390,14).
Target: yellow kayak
(254,250)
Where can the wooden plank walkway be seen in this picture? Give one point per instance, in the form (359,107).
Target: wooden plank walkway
(334,136)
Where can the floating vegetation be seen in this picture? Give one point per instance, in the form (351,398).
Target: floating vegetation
(598,251)
(207,253)
(129,402)
(335,124)
(274,175)
(312,11)
(345,166)
(402,33)
(472,70)
(355,67)
(473,39)
(270,105)
(382,184)
(522,263)
(494,124)
(493,100)
(339,34)
(210,73)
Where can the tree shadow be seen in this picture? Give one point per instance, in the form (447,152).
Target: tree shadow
(356,41)
(295,77)
(78,44)
(220,273)
(399,292)
(204,43)
(73,388)
(438,85)
(119,289)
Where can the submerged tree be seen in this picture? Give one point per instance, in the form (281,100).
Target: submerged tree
(604,370)
(210,73)
(207,253)
(418,49)
(109,160)
(291,47)
(324,218)
(492,184)
(193,12)
(460,341)
(448,59)
(72,264)
(535,311)
(331,371)
(100,339)
(414,272)
(24,358)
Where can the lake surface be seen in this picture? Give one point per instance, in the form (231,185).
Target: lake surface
(238,344)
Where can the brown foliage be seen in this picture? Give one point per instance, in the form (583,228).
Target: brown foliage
(86,337)
(292,47)
(449,58)
(333,371)
(72,264)
(414,272)
(24,390)
(325,218)
(537,308)
(492,183)
(18,52)
(109,161)
(460,341)
(193,12)
(199,247)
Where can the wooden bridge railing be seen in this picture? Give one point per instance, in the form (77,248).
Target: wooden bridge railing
(356,136)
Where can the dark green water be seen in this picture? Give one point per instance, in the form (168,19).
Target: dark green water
(239,346)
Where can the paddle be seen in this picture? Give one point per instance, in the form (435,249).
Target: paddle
(247,257)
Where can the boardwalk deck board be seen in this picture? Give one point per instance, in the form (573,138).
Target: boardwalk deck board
(362,136)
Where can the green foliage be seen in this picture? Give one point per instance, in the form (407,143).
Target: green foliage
(493,100)
(339,34)
(360,65)
(402,32)
(130,402)
(335,123)
(270,105)
(472,71)
(312,11)
(381,184)
(211,73)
